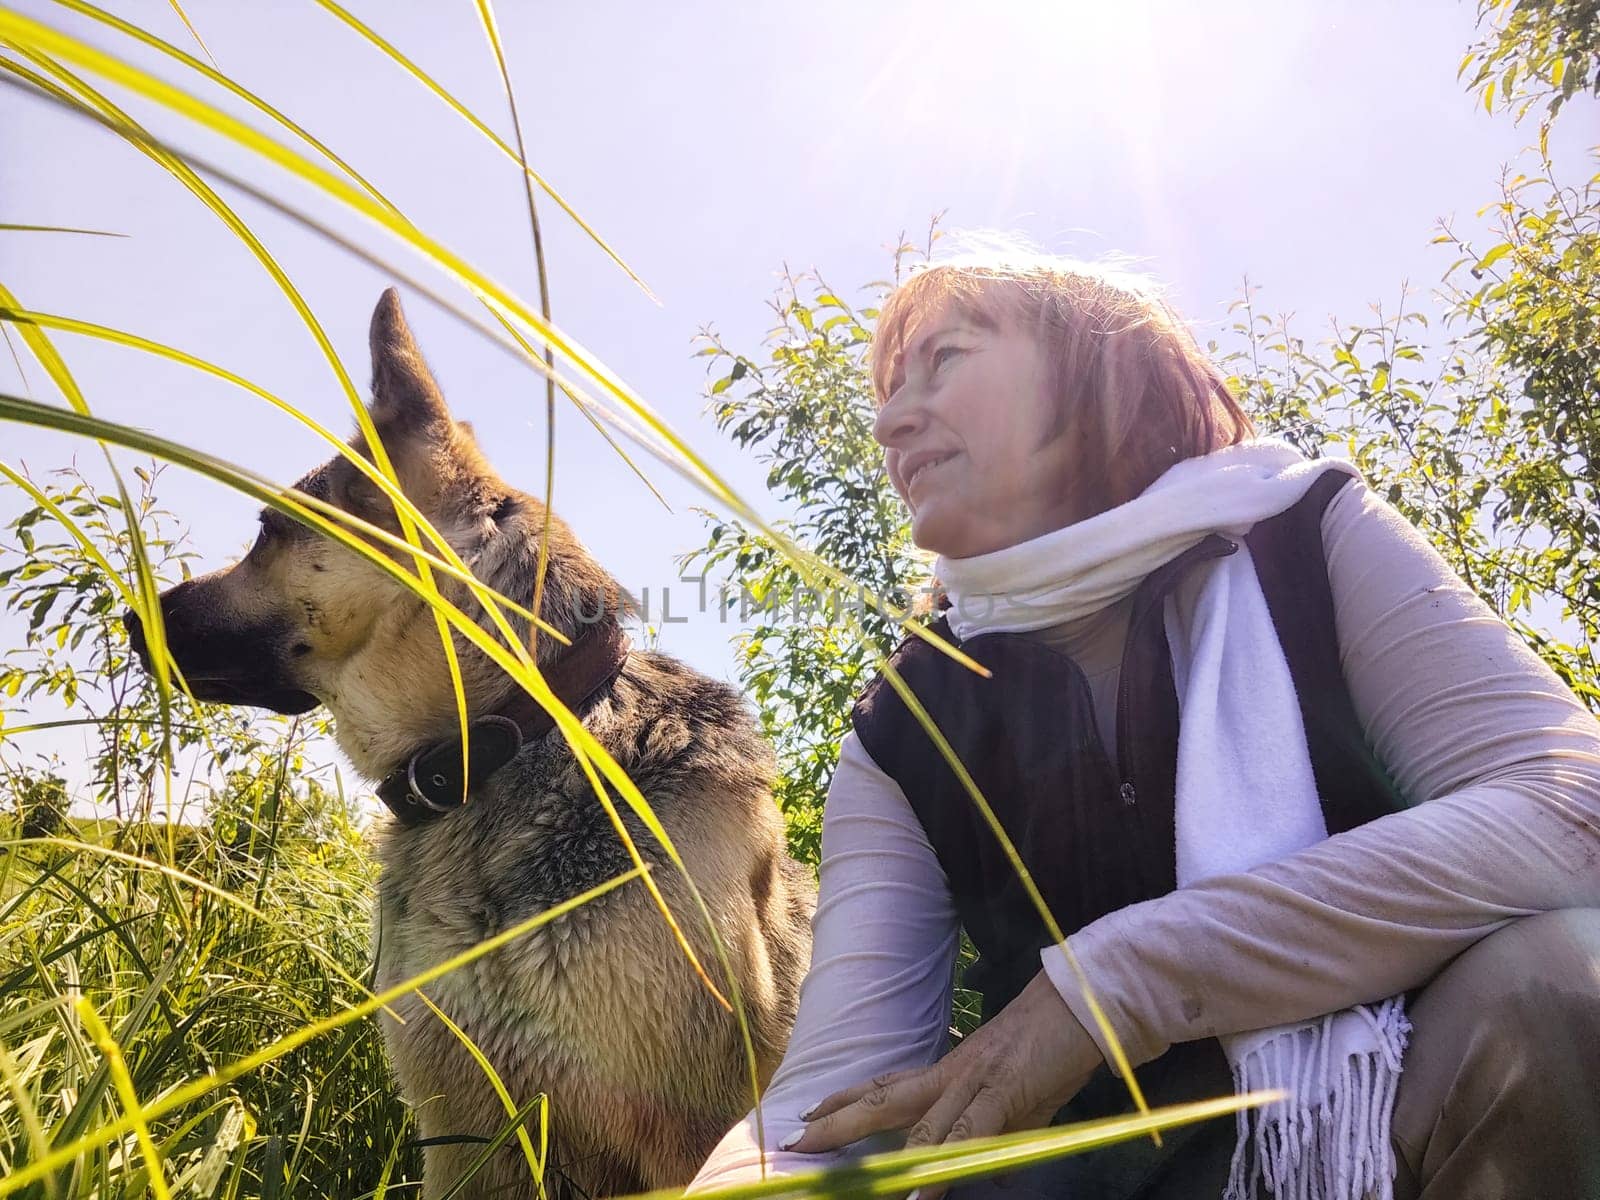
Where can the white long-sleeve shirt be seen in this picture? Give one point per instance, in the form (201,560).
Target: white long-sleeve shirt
(1498,759)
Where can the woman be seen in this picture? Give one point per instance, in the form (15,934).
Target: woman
(1318,819)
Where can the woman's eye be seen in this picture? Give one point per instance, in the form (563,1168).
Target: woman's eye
(943,355)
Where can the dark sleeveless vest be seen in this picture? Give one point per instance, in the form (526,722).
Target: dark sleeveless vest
(1097,835)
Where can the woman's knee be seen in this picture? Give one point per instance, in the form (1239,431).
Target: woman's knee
(1550,958)
(1534,984)
(1564,936)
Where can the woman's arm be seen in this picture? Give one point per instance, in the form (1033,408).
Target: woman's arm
(877,996)
(1466,718)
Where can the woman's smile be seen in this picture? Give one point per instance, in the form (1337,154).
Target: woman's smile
(927,466)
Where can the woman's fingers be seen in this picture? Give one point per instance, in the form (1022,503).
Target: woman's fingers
(983,1116)
(935,1124)
(1013,1073)
(850,1095)
(889,1102)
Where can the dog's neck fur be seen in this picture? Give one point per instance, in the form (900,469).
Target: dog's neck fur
(380,727)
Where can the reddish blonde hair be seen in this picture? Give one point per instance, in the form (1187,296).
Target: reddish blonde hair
(1136,392)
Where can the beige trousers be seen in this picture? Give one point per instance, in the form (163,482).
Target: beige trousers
(1500,1095)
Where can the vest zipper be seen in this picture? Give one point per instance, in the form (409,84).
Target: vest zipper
(1214,546)
(1128,793)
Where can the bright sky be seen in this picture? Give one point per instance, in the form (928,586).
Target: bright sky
(1312,146)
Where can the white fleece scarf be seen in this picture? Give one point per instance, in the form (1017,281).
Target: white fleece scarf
(1245,790)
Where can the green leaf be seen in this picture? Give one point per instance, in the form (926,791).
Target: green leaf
(1493,256)
(41,610)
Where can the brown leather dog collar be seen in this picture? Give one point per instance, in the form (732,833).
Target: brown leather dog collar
(429,783)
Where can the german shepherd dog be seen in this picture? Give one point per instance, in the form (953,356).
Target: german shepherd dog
(599,1010)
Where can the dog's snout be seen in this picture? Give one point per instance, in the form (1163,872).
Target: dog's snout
(221,662)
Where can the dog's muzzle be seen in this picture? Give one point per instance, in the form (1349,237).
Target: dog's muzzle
(224,667)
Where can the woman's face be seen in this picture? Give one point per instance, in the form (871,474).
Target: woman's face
(966,433)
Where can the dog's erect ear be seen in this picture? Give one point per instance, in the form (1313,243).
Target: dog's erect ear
(405,398)
(437,461)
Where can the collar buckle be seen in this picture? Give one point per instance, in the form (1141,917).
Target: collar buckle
(423,792)
(417,794)
(429,783)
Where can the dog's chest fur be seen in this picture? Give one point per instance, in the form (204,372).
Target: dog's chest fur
(597,1009)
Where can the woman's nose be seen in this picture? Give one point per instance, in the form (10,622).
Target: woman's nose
(900,419)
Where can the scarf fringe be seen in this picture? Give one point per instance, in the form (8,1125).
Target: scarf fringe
(1330,1139)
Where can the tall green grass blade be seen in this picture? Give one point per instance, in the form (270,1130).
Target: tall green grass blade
(130,1098)
(131,947)
(517,1115)
(350,531)
(272,1168)
(156,1060)
(202,1178)
(175,875)
(83,1112)
(389,1163)
(486,18)
(255,101)
(700,472)
(577,402)
(215,76)
(516,1124)
(147,864)
(17,978)
(17,1073)
(466,114)
(24,895)
(221,122)
(210,198)
(143,593)
(193,32)
(893,1174)
(16,359)
(305,509)
(13,228)
(273,815)
(292,1172)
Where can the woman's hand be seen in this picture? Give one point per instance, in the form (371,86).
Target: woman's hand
(1012,1073)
